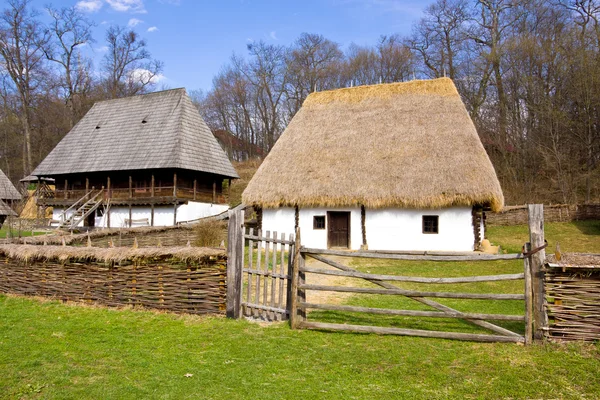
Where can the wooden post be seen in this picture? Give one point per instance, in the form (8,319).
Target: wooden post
(87,186)
(175,213)
(363,218)
(195,184)
(235,249)
(536,238)
(66,188)
(152,205)
(528,298)
(130,197)
(175,185)
(293,304)
(214,200)
(229,190)
(109,195)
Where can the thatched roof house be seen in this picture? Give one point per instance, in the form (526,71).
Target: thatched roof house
(405,145)
(146,151)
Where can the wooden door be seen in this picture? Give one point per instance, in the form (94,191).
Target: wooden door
(338,229)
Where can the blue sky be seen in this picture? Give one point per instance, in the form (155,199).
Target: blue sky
(195,38)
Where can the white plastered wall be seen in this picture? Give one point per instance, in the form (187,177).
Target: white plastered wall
(387,229)
(393,229)
(163,215)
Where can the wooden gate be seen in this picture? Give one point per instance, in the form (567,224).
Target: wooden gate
(388,286)
(259,270)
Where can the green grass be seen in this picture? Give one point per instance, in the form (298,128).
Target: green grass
(50,350)
(574,237)
(15,232)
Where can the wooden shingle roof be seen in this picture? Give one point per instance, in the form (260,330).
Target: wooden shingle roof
(8,191)
(155,130)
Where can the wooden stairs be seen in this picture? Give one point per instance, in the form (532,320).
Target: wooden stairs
(81,209)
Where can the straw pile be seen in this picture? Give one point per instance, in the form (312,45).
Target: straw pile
(407,145)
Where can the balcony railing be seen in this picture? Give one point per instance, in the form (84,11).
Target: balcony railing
(165,192)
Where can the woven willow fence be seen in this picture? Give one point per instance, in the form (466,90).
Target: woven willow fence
(180,279)
(573,288)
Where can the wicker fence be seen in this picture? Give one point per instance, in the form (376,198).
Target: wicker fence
(182,279)
(517,215)
(573,289)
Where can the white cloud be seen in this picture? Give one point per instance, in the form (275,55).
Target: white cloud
(173,2)
(273,36)
(134,6)
(143,75)
(101,49)
(152,29)
(134,22)
(89,5)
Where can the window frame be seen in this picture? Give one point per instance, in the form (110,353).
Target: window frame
(316,225)
(436,225)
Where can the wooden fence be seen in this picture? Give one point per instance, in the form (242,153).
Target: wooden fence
(184,279)
(573,288)
(518,215)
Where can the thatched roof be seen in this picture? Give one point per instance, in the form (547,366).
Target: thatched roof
(408,145)
(117,254)
(155,130)
(8,191)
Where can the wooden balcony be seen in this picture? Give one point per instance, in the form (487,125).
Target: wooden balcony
(137,196)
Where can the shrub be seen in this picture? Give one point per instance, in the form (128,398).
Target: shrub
(210,233)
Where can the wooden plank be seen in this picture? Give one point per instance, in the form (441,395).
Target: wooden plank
(293,305)
(439,307)
(291,255)
(273,271)
(272,240)
(301,290)
(266,308)
(282,273)
(152,206)
(240,273)
(268,273)
(412,313)
(416,257)
(413,293)
(258,267)
(399,278)
(266,270)
(234,266)
(536,238)
(410,332)
(249,276)
(528,298)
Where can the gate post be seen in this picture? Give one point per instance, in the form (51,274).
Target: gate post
(537,260)
(235,262)
(293,305)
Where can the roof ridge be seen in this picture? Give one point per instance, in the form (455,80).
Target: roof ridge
(160,92)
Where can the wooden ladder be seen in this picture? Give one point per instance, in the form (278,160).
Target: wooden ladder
(84,210)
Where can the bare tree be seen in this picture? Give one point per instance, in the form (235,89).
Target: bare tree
(127,64)
(69,30)
(21,42)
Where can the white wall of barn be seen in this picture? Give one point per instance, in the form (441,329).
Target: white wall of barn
(387,229)
(163,215)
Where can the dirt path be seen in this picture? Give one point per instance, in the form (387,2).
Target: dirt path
(314,296)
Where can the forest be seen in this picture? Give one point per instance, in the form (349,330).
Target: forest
(528,72)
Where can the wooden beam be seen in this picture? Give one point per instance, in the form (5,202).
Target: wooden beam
(66,188)
(414,293)
(411,332)
(536,238)
(152,205)
(423,256)
(293,305)
(109,194)
(411,313)
(130,187)
(195,184)
(363,218)
(214,199)
(235,249)
(175,185)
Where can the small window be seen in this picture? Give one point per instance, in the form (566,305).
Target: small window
(319,222)
(431,224)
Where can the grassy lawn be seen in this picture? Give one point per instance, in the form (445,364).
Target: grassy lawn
(50,350)
(4,231)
